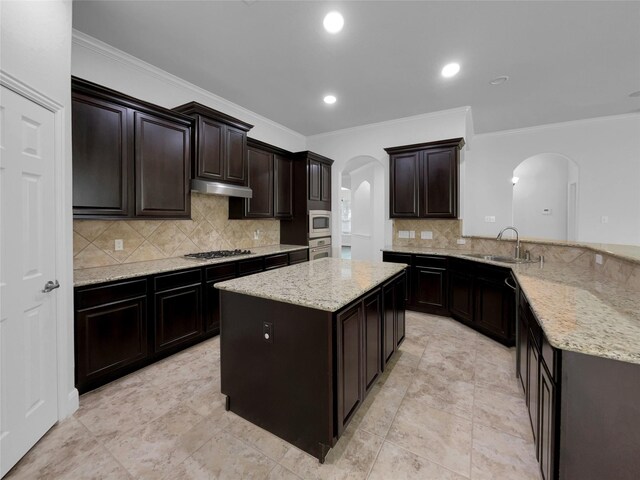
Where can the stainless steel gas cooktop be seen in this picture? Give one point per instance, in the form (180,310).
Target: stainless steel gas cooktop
(217,254)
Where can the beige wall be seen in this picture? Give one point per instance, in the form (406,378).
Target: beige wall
(209,229)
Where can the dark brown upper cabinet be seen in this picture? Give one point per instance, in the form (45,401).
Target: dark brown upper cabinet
(130,158)
(221,145)
(158,143)
(319,179)
(311,191)
(269,174)
(283,187)
(424,179)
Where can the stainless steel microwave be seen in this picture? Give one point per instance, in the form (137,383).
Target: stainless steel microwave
(319,223)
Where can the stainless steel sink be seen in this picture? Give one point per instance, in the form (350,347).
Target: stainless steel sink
(497,258)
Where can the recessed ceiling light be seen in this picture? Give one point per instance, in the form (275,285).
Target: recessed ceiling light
(450,70)
(499,80)
(330,99)
(333,22)
(635,94)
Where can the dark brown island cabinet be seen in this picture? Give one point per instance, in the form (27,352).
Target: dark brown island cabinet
(270,177)
(584,410)
(131,159)
(220,145)
(123,325)
(303,373)
(311,191)
(478,295)
(423,179)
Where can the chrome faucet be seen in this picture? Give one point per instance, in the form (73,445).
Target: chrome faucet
(499,237)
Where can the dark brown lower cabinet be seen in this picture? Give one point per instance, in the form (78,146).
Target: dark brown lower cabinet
(400,300)
(299,256)
(394,295)
(308,379)
(494,305)
(388,322)
(472,293)
(350,391)
(532,399)
(461,295)
(213,275)
(123,326)
(178,309)
(372,338)
(547,423)
(110,331)
(430,286)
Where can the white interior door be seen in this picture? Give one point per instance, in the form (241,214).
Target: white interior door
(28,383)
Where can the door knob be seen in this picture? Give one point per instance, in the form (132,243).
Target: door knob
(49,286)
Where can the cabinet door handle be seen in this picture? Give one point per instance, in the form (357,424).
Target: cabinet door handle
(506,281)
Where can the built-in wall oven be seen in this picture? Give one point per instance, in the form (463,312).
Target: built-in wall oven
(319,248)
(319,223)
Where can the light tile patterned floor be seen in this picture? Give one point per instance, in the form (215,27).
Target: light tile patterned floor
(449,407)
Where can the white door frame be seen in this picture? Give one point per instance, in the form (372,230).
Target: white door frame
(67,395)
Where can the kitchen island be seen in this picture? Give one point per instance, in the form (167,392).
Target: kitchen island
(301,346)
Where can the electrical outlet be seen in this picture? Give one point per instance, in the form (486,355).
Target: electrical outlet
(403,234)
(267,332)
(256,234)
(118,245)
(412,234)
(426,235)
(490,219)
(598,259)
(461,241)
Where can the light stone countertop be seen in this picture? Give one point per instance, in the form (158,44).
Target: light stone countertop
(327,284)
(91,276)
(630,253)
(577,310)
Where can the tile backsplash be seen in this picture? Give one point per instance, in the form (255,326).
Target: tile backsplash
(445,232)
(208,229)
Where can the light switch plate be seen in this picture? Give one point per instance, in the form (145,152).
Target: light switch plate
(604,219)
(490,219)
(598,259)
(461,241)
(403,234)
(412,234)
(426,235)
(546,211)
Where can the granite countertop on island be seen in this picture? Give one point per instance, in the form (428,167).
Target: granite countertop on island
(578,311)
(327,284)
(91,276)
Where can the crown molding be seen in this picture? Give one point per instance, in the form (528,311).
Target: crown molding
(97,46)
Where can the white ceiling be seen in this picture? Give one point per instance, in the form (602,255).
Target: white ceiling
(566,60)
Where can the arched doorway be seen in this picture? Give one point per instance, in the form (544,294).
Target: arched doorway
(545,197)
(362,209)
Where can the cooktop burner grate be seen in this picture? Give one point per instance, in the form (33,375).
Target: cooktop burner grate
(217,254)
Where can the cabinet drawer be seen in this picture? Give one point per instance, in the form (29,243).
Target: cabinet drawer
(247,267)
(430,261)
(218,272)
(178,279)
(276,261)
(93,296)
(298,257)
(396,257)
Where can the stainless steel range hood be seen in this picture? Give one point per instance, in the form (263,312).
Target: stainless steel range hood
(216,188)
